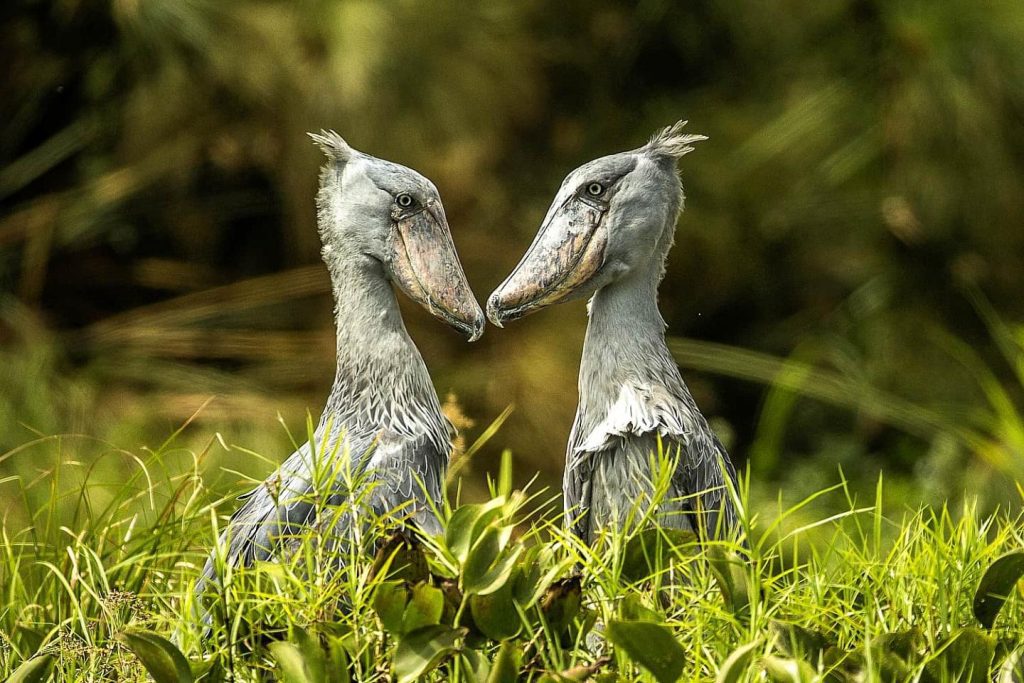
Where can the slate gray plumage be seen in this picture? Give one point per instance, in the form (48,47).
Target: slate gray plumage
(379,222)
(608,232)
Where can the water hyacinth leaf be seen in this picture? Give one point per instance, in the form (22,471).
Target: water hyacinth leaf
(652,550)
(966,657)
(292,663)
(475,666)
(421,651)
(389,602)
(505,668)
(337,661)
(652,646)
(786,670)
(561,603)
(498,575)
(495,614)
(486,569)
(466,525)
(797,641)
(908,645)
(527,578)
(425,606)
(632,608)
(160,657)
(401,557)
(996,585)
(737,663)
(34,670)
(207,670)
(452,600)
(730,572)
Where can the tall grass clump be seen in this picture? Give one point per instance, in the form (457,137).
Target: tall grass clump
(98,582)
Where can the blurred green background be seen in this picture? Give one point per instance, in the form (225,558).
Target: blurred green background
(845,289)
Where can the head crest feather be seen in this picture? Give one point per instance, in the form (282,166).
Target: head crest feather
(671,142)
(332,144)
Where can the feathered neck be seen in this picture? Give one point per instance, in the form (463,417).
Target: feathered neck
(625,342)
(381,385)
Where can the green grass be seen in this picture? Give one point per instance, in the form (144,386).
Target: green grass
(94,572)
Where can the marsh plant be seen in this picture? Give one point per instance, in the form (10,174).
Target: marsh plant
(99,583)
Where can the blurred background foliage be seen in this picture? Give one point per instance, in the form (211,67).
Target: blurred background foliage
(850,260)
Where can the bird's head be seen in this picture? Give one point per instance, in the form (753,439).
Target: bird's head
(611,216)
(391,214)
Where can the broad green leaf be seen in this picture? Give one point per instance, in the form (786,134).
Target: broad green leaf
(420,651)
(475,666)
(207,670)
(389,602)
(499,574)
(652,646)
(996,585)
(34,670)
(161,658)
(737,663)
(652,550)
(561,603)
(632,608)
(797,641)
(505,668)
(425,606)
(527,577)
(907,645)
(730,572)
(337,660)
(965,657)
(495,614)
(312,653)
(401,557)
(785,670)
(486,569)
(292,662)
(467,523)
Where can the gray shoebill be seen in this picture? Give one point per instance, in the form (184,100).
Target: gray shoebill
(607,233)
(380,223)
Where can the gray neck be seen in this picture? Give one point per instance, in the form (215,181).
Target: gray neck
(381,382)
(625,340)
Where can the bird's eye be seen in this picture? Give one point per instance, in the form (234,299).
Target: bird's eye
(595,189)
(405,200)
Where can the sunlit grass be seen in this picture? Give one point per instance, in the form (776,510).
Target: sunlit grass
(92,561)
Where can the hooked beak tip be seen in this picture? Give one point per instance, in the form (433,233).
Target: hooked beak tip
(479,324)
(494,312)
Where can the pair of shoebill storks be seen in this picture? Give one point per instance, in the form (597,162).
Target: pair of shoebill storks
(607,234)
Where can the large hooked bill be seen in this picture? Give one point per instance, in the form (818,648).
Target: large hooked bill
(567,252)
(427,268)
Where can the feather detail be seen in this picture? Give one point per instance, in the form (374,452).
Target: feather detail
(670,142)
(332,144)
(640,410)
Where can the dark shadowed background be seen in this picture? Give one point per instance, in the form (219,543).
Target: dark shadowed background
(845,289)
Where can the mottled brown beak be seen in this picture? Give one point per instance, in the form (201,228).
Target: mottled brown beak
(567,252)
(427,268)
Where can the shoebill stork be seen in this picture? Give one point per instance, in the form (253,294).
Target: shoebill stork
(380,223)
(607,233)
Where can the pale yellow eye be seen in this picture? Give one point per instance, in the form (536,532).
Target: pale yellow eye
(595,189)
(405,200)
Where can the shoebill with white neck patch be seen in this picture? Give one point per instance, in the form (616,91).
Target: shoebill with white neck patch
(608,233)
(380,223)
